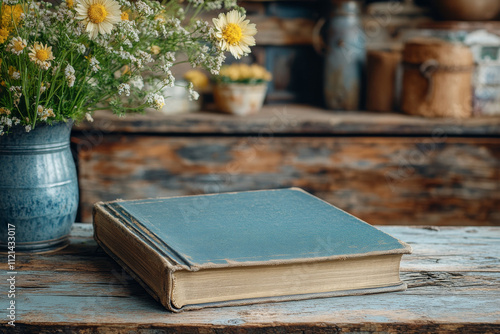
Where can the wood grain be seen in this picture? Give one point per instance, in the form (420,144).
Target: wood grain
(290,119)
(453,277)
(403,180)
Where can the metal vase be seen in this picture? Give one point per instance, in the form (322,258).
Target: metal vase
(345,56)
(38,188)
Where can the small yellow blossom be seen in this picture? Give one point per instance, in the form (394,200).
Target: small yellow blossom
(124,16)
(155,49)
(44,113)
(4,111)
(70,3)
(14,73)
(4,34)
(125,69)
(11,16)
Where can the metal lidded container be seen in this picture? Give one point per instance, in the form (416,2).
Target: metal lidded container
(437,80)
(345,56)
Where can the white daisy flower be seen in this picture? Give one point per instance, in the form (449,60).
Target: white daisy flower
(234,33)
(17,45)
(69,73)
(41,55)
(99,16)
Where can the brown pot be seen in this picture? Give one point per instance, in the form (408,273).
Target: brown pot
(239,99)
(467,10)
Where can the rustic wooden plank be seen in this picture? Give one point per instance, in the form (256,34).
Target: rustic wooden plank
(92,294)
(279,31)
(290,119)
(405,181)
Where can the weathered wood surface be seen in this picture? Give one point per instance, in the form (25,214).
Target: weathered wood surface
(291,119)
(402,180)
(279,31)
(453,279)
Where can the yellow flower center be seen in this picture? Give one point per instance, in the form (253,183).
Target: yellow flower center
(232,33)
(42,55)
(124,16)
(97,13)
(18,46)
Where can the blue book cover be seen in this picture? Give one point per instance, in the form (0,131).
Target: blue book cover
(253,229)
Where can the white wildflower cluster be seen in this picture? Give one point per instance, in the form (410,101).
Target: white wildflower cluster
(169,56)
(88,117)
(155,101)
(213,62)
(202,27)
(69,74)
(17,93)
(143,8)
(145,57)
(127,30)
(44,113)
(64,13)
(14,74)
(125,3)
(193,95)
(6,121)
(94,65)
(124,88)
(137,82)
(196,3)
(218,4)
(80,48)
(214,5)
(83,55)
(169,80)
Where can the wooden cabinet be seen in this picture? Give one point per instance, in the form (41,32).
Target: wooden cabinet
(383,168)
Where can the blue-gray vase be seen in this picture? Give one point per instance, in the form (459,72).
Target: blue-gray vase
(38,188)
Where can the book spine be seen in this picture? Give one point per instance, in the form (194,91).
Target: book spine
(138,259)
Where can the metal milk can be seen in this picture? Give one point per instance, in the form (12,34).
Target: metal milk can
(345,55)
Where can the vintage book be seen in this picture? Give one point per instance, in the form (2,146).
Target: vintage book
(246,247)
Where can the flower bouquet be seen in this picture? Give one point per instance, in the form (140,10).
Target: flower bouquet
(59,63)
(240,88)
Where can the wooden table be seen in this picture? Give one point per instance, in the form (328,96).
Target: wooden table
(453,277)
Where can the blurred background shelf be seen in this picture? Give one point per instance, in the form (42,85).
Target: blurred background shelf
(294,119)
(384,168)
